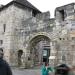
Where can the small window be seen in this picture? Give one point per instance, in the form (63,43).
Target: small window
(1,42)
(1,49)
(72,46)
(4,27)
(73,38)
(67,38)
(63,58)
(59,38)
(62,14)
(34,13)
(63,38)
(29,58)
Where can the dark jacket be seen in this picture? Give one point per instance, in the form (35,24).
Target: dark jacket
(4,68)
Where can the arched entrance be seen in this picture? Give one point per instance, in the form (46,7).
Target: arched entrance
(20,52)
(39,49)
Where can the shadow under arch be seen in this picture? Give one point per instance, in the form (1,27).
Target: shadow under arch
(39,38)
(39,34)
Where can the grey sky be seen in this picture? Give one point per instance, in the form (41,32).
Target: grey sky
(45,5)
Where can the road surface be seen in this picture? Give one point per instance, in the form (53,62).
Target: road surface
(26,71)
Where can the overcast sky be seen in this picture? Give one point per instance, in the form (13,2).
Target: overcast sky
(45,5)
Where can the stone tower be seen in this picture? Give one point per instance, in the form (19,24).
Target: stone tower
(65,26)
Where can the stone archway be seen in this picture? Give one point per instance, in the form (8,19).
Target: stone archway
(39,47)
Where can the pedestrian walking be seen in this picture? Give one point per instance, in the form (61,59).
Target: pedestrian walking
(4,67)
(45,69)
(50,70)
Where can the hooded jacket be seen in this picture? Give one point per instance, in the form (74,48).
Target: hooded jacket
(4,68)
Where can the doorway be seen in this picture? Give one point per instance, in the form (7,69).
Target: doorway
(20,52)
(46,54)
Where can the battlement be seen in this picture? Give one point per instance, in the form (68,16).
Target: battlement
(62,12)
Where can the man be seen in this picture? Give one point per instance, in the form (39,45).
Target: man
(4,67)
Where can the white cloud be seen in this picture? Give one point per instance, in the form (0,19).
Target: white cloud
(4,1)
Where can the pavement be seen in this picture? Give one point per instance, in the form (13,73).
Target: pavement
(17,71)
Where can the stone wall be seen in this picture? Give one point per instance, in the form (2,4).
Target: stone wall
(12,18)
(65,25)
(6,19)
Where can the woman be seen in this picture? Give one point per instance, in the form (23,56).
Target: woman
(45,69)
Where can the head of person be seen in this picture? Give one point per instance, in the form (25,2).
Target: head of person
(46,64)
(1,53)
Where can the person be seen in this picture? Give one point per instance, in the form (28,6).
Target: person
(50,70)
(44,69)
(4,67)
